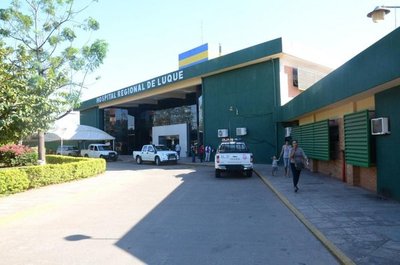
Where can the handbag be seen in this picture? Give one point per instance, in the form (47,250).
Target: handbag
(299,164)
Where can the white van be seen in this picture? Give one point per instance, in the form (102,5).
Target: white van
(67,150)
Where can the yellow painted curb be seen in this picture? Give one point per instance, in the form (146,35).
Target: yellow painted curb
(339,255)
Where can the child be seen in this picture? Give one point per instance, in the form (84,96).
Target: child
(274,165)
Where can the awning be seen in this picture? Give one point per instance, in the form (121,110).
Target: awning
(77,133)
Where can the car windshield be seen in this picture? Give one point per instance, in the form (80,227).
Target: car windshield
(162,148)
(233,148)
(104,148)
(72,148)
(65,147)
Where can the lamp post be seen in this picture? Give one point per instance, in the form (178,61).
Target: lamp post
(232,109)
(380,11)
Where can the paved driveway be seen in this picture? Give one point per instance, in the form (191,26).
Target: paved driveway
(143,214)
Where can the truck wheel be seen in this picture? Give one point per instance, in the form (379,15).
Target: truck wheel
(217,173)
(138,160)
(249,173)
(101,156)
(157,160)
(86,155)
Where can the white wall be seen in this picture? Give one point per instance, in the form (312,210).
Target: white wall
(176,129)
(304,68)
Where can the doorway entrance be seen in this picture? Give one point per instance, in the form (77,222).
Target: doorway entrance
(171,135)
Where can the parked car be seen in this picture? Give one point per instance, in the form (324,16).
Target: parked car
(67,150)
(233,155)
(155,153)
(100,151)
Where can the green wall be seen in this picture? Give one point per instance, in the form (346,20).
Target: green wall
(92,117)
(254,92)
(387,146)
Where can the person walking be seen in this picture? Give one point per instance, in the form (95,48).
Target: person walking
(298,159)
(193,151)
(201,153)
(285,152)
(274,165)
(178,150)
(208,153)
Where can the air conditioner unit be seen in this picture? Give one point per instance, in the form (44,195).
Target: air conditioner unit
(380,126)
(241,131)
(222,133)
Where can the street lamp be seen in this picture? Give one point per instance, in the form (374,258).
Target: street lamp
(380,11)
(232,109)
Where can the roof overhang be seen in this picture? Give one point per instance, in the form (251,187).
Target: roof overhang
(180,83)
(372,71)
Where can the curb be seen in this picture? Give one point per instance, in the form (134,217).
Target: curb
(336,252)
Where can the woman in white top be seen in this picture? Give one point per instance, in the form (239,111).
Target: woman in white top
(285,152)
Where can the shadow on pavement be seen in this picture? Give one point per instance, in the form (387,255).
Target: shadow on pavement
(207,220)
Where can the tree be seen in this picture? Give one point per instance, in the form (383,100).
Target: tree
(45,31)
(19,107)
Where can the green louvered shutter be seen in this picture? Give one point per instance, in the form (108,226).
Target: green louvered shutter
(307,139)
(296,133)
(321,140)
(314,139)
(357,139)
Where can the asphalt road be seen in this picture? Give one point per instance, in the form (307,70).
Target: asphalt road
(143,214)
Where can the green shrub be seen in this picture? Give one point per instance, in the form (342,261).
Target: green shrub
(26,159)
(58,159)
(58,169)
(13,181)
(67,169)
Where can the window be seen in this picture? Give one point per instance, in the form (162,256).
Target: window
(233,148)
(295,77)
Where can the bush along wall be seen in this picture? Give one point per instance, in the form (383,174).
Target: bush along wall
(13,181)
(58,169)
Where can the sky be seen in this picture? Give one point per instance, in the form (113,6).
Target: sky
(146,37)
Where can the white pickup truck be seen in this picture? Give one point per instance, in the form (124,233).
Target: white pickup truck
(233,155)
(155,153)
(100,151)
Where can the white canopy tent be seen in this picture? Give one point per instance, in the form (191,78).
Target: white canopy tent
(77,133)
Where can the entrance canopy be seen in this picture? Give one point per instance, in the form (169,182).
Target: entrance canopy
(77,133)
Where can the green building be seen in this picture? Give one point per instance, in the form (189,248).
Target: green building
(265,95)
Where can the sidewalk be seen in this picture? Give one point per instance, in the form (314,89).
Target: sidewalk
(365,228)
(353,223)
